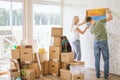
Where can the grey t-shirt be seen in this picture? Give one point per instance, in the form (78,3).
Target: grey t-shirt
(99,30)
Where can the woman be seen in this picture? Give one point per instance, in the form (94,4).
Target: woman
(76,37)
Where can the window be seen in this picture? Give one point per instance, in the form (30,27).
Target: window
(45,17)
(10,26)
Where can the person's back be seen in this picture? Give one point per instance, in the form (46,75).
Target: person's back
(99,30)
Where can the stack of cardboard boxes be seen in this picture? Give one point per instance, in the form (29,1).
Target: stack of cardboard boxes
(23,60)
(27,63)
(55,51)
(66,74)
(14,63)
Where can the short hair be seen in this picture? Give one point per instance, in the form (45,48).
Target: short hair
(88,19)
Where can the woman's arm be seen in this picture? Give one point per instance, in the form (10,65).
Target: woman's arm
(82,23)
(82,32)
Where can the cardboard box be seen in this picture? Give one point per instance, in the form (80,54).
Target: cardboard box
(14,65)
(54,52)
(78,77)
(67,57)
(15,53)
(29,74)
(26,54)
(77,63)
(57,41)
(65,66)
(57,32)
(15,75)
(54,67)
(65,75)
(35,57)
(45,67)
(35,66)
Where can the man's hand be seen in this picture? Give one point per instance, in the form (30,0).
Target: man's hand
(109,16)
(108,10)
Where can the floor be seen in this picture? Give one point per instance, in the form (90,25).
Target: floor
(89,75)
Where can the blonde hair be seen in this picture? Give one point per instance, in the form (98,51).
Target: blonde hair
(74,21)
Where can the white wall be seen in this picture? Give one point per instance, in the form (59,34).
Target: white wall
(78,7)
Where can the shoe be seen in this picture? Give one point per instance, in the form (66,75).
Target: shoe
(98,76)
(107,78)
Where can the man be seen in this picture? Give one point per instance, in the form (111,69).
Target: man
(100,42)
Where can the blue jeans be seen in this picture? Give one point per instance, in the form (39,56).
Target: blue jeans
(101,46)
(76,49)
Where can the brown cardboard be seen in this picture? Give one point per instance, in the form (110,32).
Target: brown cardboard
(45,78)
(29,74)
(67,57)
(65,75)
(54,67)
(57,41)
(35,57)
(77,63)
(45,67)
(78,77)
(65,66)
(15,53)
(26,54)
(55,52)
(14,65)
(57,32)
(35,66)
(28,46)
(15,75)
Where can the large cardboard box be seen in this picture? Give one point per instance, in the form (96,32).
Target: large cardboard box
(35,66)
(26,54)
(45,67)
(15,53)
(54,67)
(55,52)
(15,74)
(29,74)
(65,75)
(57,32)
(78,77)
(57,41)
(67,57)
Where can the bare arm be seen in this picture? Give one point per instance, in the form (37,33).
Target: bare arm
(109,16)
(82,23)
(82,32)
